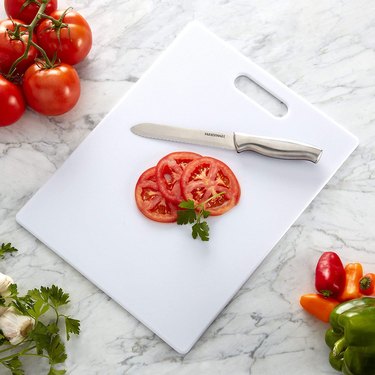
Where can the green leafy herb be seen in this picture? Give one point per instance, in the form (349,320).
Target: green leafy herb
(14,365)
(6,249)
(53,371)
(71,326)
(192,213)
(44,339)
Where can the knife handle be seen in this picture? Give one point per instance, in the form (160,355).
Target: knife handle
(276,148)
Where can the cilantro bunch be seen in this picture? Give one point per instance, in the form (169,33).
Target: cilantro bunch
(32,324)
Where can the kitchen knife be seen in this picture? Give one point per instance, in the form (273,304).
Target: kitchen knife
(272,147)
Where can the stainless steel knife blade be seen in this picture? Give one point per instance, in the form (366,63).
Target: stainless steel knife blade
(271,147)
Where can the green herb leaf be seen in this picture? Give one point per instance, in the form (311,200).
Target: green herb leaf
(56,351)
(41,337)
(189,204)
(22,304)
(6,249)
(3,339)
(53,328)
(39,308)
(14,365)
(44,340)
(206,214)
(55,295)
(53,371)
(71,326)
(13,290)
(193,213)
(35,294)
(202,230)
(188,214)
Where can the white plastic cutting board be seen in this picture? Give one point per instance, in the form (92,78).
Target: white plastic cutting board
(173,284)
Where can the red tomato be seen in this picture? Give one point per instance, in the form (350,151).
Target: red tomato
(205,177)
(150,201)
(74,42)
(168,173)
(52,91)
(15,9)
(11,49)
(12,104)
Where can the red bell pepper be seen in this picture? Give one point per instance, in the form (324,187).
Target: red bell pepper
(330,275)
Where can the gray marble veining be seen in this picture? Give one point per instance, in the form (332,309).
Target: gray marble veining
(325,51)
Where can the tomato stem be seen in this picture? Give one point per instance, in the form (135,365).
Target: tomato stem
(56,23)
(213,197)
(201,206)
(30,28)
(48,64)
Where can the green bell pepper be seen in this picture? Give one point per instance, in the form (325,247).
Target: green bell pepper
(352,337)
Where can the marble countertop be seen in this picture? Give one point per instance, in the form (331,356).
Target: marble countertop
(325,51)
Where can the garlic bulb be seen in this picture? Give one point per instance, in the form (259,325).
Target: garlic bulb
(5,282)
(15,327)
(3,309)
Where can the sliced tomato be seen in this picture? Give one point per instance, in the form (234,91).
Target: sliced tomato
(169,171)
(205,177)
(150,201)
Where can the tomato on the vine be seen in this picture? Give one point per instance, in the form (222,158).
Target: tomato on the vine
(11,49)
(12,103)
(205,177)
(71,40)
(168,173)
(151,202)
(26,13)
(51,91)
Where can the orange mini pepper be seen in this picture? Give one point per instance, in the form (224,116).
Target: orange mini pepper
(319,306)
(354,273)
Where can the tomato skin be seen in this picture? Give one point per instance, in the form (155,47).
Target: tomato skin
(10,49)
(168,173)
(205,177)
(52,91)
(13,9)
(150,201)
(12,103)
(75,40)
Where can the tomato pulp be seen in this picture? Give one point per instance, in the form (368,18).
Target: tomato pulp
(151,202)
(205,177)
(168,173)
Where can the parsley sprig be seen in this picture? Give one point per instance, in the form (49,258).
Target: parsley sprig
(192,213)
(6,248)
(45,340)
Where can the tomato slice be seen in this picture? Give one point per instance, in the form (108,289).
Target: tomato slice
(205,177)
(151,202)
(169,171)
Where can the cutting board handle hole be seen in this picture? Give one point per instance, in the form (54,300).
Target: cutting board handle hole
(261,96)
